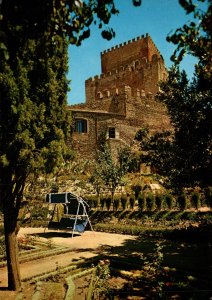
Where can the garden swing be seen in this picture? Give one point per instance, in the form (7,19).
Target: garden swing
(75,215)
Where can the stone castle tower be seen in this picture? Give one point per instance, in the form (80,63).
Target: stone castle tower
(121,100)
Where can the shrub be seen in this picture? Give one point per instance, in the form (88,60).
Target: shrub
(99,284)
(95,203)
(116,203)
(132,201)
(92,201)
(195,200)
(124,201)
(136,189)
(54,188)
(102,202)
(208,197)
(108,201)
(150,202)
(169,201)
(39,212)
(159,201)
(182,201)
(141,202)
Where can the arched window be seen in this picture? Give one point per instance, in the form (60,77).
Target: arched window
(99,95)
(137,63)
(107,93)
(81,126)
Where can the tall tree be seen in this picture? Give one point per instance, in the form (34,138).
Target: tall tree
(33,119)
(34,123)
(185,154)
(110,168)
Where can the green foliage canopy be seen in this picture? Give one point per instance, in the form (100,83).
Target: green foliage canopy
(184,155)
(33,119)
(34,122)
(109,170)
(195,37)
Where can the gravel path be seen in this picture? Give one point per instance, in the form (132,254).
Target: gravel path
(88,240)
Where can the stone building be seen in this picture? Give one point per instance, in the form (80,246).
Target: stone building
(121,100)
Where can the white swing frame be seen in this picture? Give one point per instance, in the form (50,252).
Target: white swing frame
(81,201)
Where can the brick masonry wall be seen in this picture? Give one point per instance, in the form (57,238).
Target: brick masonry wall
(122,55)
(141,67)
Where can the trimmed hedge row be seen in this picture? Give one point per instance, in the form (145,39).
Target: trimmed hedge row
(149,201)
(190,232)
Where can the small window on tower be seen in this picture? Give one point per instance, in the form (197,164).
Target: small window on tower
(81,126)
(107,93)
(112,133)
(99,95)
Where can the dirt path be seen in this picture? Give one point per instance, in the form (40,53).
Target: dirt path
(46,264)
(84,246)
(88,240)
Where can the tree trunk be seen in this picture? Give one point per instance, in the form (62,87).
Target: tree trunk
(112,196)
(10,231)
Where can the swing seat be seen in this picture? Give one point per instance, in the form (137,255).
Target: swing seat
(68,223)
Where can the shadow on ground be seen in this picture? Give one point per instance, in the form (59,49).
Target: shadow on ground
(59,234)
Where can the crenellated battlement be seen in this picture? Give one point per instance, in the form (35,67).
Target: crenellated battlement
(124,44)
(136,63)
(132,50)
(121,92)
(133,66)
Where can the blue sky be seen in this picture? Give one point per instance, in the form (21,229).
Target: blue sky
(156,17)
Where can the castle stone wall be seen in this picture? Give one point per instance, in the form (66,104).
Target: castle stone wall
(122,55)
(137,64)
(123,96)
